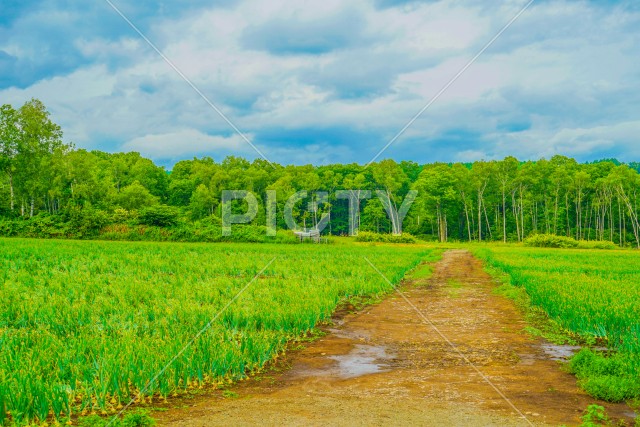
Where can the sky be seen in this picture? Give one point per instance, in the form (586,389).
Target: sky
(331,81)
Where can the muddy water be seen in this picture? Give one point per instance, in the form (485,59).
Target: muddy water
(387,365)
(560,353)
(362,360)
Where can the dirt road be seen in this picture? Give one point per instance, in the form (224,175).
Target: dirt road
(388,366)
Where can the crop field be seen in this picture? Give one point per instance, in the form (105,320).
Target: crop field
(85,326)
(593,293)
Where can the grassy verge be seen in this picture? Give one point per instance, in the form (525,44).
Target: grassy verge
(608,366)
(539,323)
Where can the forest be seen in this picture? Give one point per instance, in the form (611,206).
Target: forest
(49,188)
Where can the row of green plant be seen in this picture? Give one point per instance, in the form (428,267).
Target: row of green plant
(157,223)
(595,294)
(553,241)
(84,326)
(365,236)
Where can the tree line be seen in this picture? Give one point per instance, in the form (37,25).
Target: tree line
(498,200)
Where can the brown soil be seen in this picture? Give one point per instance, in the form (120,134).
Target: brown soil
(387,365)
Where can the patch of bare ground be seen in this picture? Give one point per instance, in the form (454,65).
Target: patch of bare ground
(387,366)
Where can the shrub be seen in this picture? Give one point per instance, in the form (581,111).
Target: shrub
(122,216)
(135,196)
(42,225)
(553,241)
(595,415)
(597,245)
(160,216)
(138,418)
(606,378)
(45,226)
(550,241)
(85,222)
(365,236)
(11,228)
(256,234)
(205,231)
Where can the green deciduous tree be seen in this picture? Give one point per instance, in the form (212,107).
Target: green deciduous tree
(135,196)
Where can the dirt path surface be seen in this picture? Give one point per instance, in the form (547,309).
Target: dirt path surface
(388,366)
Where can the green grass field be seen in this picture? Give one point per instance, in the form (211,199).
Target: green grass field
(84,326)
(593,293)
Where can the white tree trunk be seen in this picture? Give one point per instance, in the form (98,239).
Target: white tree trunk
(11,189)
(504,216)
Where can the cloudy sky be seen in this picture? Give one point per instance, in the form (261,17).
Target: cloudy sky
(331,81)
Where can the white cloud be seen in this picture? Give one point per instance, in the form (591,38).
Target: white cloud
(568,68)
(186,143)
(619,139)
(471,156)
(578,141)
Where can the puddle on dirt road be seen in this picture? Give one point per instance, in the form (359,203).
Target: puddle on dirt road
(563,352)
(559,351)
(362,359)
(350,334)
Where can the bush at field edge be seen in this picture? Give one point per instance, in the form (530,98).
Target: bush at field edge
(365,236)
(553,241)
